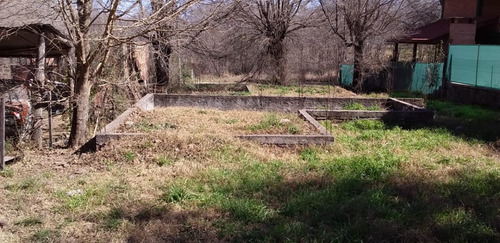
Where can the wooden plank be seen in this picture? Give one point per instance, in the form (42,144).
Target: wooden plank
(2,132)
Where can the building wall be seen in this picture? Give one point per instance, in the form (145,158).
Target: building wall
(491,8)
(461,8)
(462,34)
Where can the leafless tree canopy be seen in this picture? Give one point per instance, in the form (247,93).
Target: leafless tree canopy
(359,24)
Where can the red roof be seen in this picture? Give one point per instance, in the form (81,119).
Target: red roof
(431,33)
(435,32)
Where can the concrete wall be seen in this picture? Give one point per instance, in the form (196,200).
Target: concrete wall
(269,103)
(472,95)
(460,8)
(400,117)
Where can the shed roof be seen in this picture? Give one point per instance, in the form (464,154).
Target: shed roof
(22,41)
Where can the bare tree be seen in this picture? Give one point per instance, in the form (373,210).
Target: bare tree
(269,23)
(357,23)
(94,27)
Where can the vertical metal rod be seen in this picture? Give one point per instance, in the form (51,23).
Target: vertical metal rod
(50,119)
(477,63)
(491,80)
(2,132)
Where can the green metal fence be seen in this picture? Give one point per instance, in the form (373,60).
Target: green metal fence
(346,75)
(475,65)
(423,78)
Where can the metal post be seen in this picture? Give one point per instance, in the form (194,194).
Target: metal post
(50,119)
(415,49)
(477,63)
(2,132)
(491,80)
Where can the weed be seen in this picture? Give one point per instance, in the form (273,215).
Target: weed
(358,106)
(361,125)
(247,210)
(89,196)
(232,121)
(109,164)
(164,160)
(46,235)
(148,126)
(269,121)
(7,172)
(32,221)
(241,93)
(114,218)
(354,106)
(175,194)
(311,156)
(292,129)
(149,144)
(25,184)
(130,156)
(373,108)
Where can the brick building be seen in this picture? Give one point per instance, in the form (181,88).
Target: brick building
(464,22)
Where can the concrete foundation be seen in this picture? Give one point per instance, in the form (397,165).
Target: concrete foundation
(473,95)
(331,108)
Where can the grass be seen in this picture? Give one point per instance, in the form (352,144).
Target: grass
(296,90)
(470,121)
(220,123)
(377,182)
(272,122)
(358,106)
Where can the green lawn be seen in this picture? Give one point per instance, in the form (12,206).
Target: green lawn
(377,182)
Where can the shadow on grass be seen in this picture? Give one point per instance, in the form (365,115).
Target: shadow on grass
(468,121)
(345,199)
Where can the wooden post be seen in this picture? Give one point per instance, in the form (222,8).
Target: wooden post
(395,52)
(2,132)
(414,57)
(40,80)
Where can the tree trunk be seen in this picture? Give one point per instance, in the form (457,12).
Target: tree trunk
(81,99)
(358,75)
(161,58)
(162,49)
(277,52)
(40,80)
(81,107)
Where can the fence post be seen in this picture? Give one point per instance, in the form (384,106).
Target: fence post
(2,132)
(491,80)
(477,63)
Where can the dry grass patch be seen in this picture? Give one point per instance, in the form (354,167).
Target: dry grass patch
(304,91)
(177,120)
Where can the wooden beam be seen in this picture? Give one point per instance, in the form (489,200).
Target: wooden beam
(2,132)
